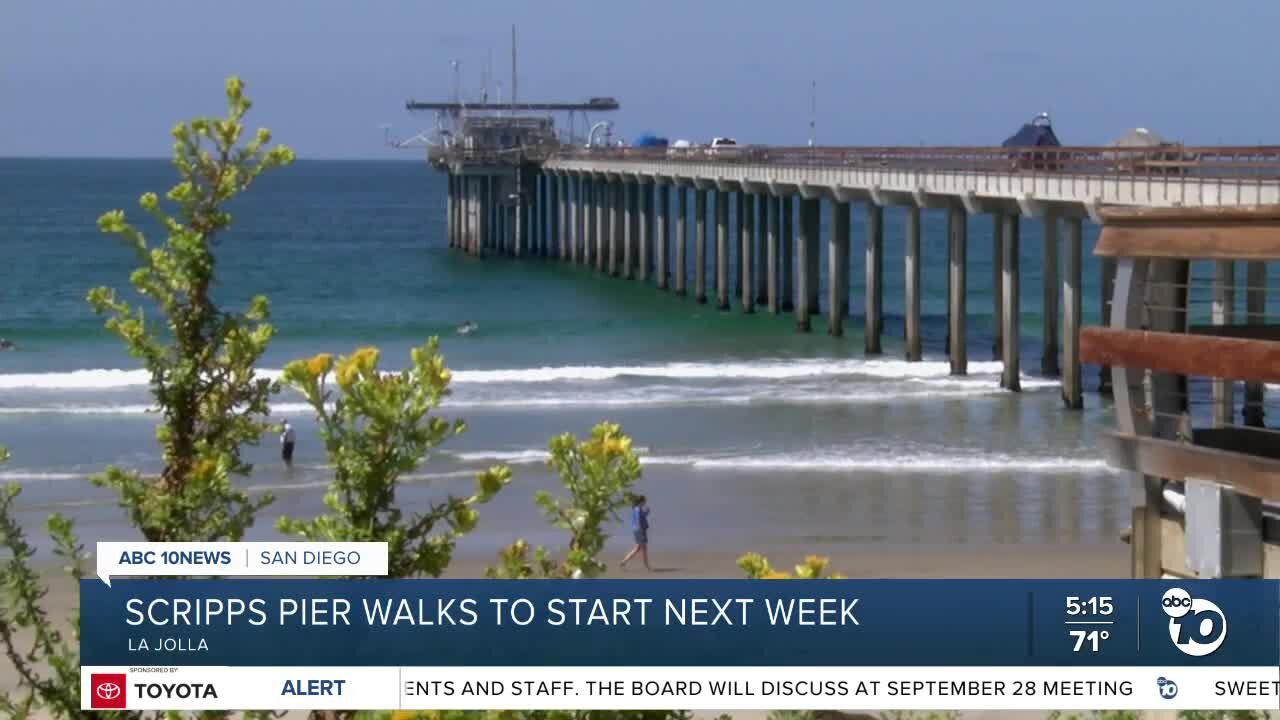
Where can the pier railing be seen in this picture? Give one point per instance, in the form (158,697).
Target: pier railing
(1261,163)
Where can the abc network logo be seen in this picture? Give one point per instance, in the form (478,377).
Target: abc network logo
(1197,626)
(1168,689)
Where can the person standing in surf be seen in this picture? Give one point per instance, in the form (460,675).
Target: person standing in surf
(286,444)
(639,530)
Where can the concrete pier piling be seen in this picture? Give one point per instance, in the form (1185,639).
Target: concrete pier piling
(566,218)
(499,224)
(1255,305)
(806,255)
(958,240)
(700,248)
(746,261)
(759,214)
(997,284)
(521,214)
(628,229)
(1010,379)
(615,229)
(588,221)
(534,230)
(554,237)
(644,208)
(482,217)
(547,225)
(838,269)
(662,234)
(874,279)
(682,232)
(1072,284)
(814,255)
(601,200)
(722,249)
(483,224)
(476,215)
(633,225)
(580,221)
(774,230)
(1049,304)
(788,272)
(735,242)
(911,261)
(460,213)
(448,214)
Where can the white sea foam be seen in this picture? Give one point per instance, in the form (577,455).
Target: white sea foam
(933,462)
(34,476)
(66,409)
(96,379)
(777,369)
(510,457)
(736,395)
(773,369)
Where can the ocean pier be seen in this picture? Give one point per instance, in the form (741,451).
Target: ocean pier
(573,203)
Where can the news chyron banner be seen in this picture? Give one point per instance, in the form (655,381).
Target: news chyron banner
(376,643)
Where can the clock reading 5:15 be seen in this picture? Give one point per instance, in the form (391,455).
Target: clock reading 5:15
(1093,605)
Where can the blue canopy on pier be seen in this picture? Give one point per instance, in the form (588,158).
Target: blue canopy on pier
(650,140)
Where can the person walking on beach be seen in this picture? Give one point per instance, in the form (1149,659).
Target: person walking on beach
(639,529)
(286,444)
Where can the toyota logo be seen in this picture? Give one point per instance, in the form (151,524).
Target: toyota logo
(107,691)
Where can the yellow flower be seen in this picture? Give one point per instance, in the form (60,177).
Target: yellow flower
(319,365)
(358,363)
(615,446)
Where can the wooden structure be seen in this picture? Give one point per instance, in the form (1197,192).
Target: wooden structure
(1187,332)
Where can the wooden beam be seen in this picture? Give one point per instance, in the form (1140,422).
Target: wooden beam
(1205,215)
(1255,331)
(1233,241)
(1246,233)
(1255,476)
(1182,354)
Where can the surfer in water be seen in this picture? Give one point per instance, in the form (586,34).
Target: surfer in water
(467,328)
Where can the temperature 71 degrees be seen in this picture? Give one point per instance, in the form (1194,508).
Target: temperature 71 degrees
(1089,639)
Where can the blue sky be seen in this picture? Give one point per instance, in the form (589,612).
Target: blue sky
(109,78)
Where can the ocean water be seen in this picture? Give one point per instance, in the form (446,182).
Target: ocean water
(752,435)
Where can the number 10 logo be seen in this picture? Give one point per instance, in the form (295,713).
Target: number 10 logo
(1197,626)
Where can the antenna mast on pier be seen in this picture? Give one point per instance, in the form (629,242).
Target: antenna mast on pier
(813,111)
(513,70)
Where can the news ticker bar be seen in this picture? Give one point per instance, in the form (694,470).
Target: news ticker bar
(691,688)
(680,623)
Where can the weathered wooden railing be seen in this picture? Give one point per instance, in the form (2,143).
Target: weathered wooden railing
(1206,466)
